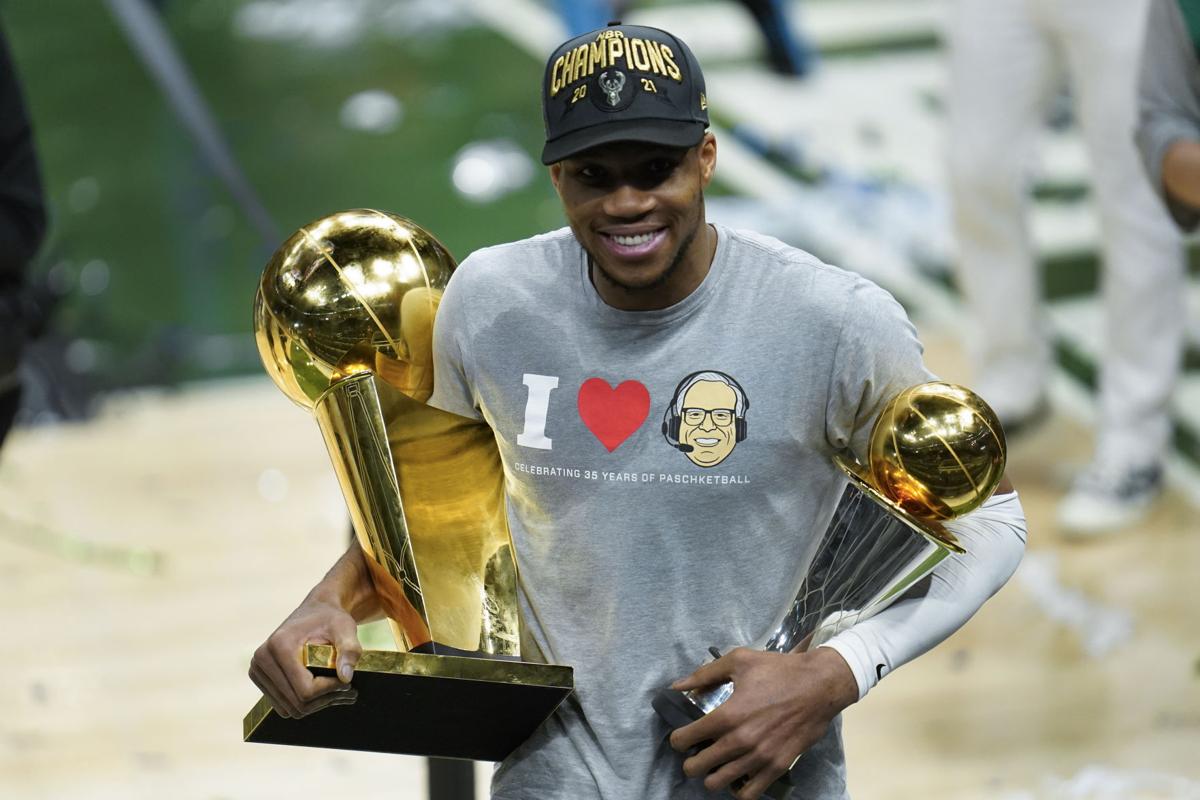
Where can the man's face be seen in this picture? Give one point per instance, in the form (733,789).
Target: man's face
(708,422)
(637,209)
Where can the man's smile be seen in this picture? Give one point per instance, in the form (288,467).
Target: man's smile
(706,441)
(633,244)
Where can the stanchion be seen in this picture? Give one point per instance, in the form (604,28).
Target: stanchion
(451,779)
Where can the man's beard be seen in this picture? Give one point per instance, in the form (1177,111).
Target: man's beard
(676,260)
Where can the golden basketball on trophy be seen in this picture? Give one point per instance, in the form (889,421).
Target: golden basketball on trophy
(937,450)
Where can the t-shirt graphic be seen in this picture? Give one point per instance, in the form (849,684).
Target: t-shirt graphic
(612,415)
(706,417)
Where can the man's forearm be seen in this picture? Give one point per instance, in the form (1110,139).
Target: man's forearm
(1181,172)
(994,537)
(348,586)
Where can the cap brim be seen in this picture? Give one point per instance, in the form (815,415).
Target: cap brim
(672,133)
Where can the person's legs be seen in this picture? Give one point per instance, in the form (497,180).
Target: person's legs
(1143,278)
(787,50)
(1001,69)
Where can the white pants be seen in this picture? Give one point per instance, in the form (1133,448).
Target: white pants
(1005,61)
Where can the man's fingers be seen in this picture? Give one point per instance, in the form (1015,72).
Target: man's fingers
(706,729)
(345,641)
(330,700)
(279,701)
(712,757)
(325,685)
(758,783)
(290,677)
(711,674)
(330,692)
(730,774)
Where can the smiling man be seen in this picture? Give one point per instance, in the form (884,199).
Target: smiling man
(563,343)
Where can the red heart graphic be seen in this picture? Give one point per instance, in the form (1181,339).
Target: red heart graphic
(612,415)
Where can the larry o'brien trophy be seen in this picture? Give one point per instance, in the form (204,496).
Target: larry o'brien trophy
(344,323)
(936,452)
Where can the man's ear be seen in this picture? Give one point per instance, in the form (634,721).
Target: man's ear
(708,158)
(556,174)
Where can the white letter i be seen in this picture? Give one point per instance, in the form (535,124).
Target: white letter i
(538,404)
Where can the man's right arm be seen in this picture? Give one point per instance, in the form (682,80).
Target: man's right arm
(1181,172)
(328,615)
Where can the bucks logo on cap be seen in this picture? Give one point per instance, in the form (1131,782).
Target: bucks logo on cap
(612,84)
(622,83)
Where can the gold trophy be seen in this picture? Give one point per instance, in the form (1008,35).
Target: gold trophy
(936,452)
(344,323)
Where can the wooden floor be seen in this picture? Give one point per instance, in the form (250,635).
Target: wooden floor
(144,555)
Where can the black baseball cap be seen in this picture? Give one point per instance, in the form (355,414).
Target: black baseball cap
(622,83)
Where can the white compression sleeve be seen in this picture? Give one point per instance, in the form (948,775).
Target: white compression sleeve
(994,538)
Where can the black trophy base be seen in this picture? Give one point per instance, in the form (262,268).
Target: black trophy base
(424,705)
(677,710)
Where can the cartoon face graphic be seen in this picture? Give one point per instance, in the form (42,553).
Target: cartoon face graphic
(706,418)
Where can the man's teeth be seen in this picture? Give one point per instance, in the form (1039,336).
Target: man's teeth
(631,241)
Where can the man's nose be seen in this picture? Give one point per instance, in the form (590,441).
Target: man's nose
(626,201)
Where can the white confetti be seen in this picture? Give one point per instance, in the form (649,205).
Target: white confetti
(1103,782)
(273,485)
(372,111)
(1101,629)
(485,171)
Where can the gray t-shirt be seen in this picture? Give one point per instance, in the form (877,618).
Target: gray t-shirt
(668,476)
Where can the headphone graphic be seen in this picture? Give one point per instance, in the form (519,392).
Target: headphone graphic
(673,416)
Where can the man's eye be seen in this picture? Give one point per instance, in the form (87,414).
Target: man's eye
(661,166)
(591,173)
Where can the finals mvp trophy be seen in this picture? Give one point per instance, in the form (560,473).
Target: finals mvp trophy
(935,453)
(344,323)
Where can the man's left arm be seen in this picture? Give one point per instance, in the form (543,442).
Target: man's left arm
(783,703)
(994,538)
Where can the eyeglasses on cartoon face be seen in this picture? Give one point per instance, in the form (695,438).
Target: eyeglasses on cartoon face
(720,416)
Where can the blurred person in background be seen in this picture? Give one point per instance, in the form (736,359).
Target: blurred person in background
(22,227)
(787,52)
(1004,61)
(1168,132)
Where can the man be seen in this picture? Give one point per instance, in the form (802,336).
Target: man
(1004,66)
(1169,126)
(630,581)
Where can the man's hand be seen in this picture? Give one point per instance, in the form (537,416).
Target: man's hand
(782,705)
(1181,172)
(277,668)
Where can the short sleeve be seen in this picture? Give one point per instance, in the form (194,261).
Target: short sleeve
(453,368)
(877,356)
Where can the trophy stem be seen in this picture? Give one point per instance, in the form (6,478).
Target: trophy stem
(352,424)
